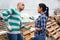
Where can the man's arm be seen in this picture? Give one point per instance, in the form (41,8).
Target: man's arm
(5,15)
(23,25)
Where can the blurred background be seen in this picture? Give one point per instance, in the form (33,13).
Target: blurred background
(31,6)
(30,14)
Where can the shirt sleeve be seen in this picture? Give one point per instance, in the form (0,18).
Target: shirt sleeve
(43,23)
(37,23)
(5,15)
(23,25)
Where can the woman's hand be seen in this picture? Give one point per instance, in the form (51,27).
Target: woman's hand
(38,29)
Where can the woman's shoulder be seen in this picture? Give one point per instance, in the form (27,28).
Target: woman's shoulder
(43,16)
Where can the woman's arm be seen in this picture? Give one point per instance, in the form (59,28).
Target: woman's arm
(37,24)
(43,23)
(38,29)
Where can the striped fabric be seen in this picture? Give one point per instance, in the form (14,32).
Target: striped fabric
(13,18)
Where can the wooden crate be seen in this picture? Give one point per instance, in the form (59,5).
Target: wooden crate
(28,34)
(3,37)
(53,30)
(56,35)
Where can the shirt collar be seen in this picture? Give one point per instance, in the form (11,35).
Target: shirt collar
(17,9)
(42,13)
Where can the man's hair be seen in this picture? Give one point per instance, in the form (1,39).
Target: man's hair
(20,3)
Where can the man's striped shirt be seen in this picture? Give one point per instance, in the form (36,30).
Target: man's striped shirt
(13,18)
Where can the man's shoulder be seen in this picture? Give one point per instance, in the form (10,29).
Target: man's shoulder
(12,9)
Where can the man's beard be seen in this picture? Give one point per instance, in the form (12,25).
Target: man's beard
(20,9)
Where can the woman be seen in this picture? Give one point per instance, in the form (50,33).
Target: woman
(40,23)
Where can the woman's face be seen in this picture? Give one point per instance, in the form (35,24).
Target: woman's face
(39,9)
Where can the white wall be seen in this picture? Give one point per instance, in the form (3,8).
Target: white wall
(4,4)
(31,5)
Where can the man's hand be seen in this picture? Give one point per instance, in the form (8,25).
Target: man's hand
(9,28)
(32,29)
(27,27)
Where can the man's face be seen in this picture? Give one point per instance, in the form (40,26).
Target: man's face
(21,6)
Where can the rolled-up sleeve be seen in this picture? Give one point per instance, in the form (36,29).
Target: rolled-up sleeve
(5,15)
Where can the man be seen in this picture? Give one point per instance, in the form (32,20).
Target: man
(12,17)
